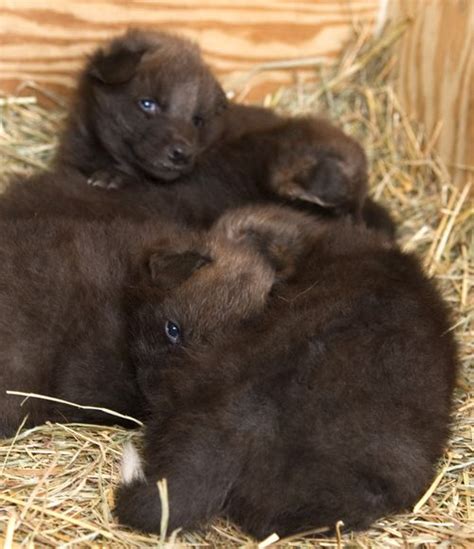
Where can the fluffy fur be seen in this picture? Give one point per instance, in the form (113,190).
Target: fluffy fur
(68,288)
(62,319)
(220,182)
(235,154)
(131,464)
(112,140)
(332,402)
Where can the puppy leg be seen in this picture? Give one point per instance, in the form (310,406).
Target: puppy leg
(199,474)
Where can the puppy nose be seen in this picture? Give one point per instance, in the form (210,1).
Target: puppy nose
(179,155)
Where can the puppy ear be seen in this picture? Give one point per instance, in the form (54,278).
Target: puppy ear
(318,164)
(168,270)
(281,235)
(115,66)
(326,182)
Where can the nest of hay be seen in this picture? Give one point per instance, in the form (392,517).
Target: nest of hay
(57,481)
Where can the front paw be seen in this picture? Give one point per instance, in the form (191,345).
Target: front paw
(108,179)
(138,505)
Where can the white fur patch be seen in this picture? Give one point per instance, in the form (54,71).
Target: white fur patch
(131,464)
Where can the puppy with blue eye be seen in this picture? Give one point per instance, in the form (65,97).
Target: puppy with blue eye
(312,385)
(150,118)
(146,107)
(193,298)
(68,288)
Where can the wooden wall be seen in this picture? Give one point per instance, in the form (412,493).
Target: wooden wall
(45,40)
(435,79)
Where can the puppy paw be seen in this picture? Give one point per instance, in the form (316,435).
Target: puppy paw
(138,505)
(108,180)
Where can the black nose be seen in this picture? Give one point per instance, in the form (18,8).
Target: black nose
(179,155)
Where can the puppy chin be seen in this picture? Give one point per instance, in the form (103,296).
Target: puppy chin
(160,172)
(169,174)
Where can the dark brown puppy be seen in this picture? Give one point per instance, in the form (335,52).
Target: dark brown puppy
(149,112)
(332,403)
(63,308)
(229,176)
(146,107)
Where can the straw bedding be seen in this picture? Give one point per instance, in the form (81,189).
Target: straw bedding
(57,481)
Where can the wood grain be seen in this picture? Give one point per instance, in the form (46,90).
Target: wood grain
(436,75)
(46,41)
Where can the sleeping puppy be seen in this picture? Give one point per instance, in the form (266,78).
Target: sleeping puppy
(150,117)
(331,402)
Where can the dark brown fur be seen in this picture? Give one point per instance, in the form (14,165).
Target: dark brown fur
(64,311)
(235,155)
(62,324)
(332,402)
(234,175)
(111,140)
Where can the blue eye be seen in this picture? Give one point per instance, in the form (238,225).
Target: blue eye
(148,105)
(173,332)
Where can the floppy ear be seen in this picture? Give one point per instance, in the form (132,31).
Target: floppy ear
(281,235)
(317,163)
(116,65)
(168,270)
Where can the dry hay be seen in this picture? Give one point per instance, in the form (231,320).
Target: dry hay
(57,480)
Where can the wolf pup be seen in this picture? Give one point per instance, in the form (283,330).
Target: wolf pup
(149,112)
(68,287)
(145,108)
(332,402)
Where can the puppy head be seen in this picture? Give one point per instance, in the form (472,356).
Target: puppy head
(191,296)
(154,104)
(188,300)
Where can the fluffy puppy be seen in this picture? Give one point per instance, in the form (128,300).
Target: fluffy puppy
(146,107)
(219,182)
(149,117)
(67,289)
(332,402)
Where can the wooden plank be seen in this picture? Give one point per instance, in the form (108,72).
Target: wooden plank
(46,41)
(435,79)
